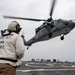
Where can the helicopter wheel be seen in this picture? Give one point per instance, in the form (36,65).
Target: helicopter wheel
(62,37)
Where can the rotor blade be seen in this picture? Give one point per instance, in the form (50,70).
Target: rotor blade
(11,17)
(52,7)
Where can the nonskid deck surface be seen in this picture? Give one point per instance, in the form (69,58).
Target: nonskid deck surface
(44,68)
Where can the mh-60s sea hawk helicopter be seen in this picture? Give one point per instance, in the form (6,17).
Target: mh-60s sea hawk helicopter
(49,29)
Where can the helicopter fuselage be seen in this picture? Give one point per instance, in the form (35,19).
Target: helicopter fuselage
(49,30)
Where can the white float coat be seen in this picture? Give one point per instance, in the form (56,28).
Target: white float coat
(12,47)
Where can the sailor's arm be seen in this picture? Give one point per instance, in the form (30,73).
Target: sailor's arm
(26,43)
(20,48)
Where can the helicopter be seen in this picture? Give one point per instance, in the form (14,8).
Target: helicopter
(49,29)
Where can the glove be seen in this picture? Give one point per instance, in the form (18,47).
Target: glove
(22,36)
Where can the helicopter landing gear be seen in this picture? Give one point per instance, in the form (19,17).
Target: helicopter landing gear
(62,37)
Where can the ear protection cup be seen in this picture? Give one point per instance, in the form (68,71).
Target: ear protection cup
(18,29)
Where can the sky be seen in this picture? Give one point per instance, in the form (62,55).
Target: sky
(40,9)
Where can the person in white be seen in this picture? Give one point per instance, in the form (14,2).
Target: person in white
(11,49)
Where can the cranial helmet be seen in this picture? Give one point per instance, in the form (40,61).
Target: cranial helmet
(14,27)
